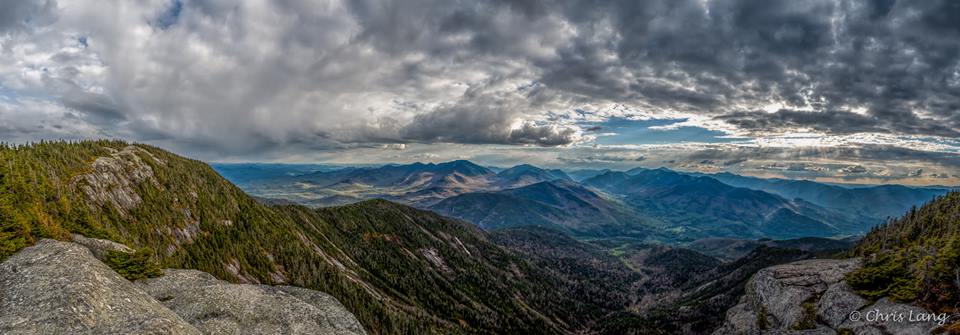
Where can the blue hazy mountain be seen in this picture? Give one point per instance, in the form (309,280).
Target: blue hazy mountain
(700,206)
(581,174)
(241,173)
(526,174)
(682,206)
(874,201)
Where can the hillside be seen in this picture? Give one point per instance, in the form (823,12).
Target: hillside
(558,204)
(914,258)
(526,174)
(699,207)
(731,249)
(877,202)
(416,184)
(668,290)
(399,270)
(589,272)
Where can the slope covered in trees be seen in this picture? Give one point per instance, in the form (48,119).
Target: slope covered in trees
(915,258)
(398,269)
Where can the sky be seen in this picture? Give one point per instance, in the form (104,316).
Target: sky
(860,91)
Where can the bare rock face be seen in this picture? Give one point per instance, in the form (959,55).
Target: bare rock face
(114,178)
(60,288)
(219,307)
(810,297)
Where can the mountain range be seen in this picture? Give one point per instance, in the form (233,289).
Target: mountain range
(698,207)
(560,204)
(647,204)
(399,269)
(875,201)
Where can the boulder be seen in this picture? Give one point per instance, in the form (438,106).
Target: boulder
(61,288)
(58,287)
(99,247)
(218,307)
(811,294)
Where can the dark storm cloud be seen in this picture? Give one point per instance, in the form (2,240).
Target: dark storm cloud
(23,14)
(895,59)
(238,77)
(875,153)
(480,124)
(841,122)
(96,108)
(898,60)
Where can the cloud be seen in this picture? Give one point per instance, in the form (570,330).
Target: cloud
(485,122)
(837,122)
(23,15)
(854,169)
(221,78)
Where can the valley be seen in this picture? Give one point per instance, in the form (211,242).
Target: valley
(455,247)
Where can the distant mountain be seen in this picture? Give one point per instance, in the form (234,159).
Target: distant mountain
(690,205)
(637,170)
(418,183)
(401,175)
(564,205)
(243,173)
(581,174)
(872,201)
(611,181)
(704,207)
(526,174)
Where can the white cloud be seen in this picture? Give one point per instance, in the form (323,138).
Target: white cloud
(285,80)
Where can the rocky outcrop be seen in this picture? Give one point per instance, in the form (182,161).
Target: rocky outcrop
(99,247)
(219,307)
(61,288)
(810,297)
(115,177)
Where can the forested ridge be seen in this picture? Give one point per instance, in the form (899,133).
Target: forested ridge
(914,258)
(399,270)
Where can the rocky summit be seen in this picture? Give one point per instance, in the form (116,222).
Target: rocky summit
(60,288)
(56,287)
(811,297)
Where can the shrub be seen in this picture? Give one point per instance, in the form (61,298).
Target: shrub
(133,266)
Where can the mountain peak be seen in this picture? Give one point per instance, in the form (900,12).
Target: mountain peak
(464,167)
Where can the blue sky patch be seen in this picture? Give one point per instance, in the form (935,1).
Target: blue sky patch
(638,132)
(171,15)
